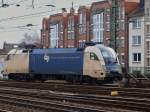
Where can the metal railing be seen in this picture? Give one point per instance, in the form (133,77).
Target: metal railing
(140,70)
(139,73)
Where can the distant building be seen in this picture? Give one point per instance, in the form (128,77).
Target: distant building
(8,46)
(136,42)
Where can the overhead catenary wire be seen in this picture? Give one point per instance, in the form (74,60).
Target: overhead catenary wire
(12,3)
(34,14)
(18,30)
(38,14)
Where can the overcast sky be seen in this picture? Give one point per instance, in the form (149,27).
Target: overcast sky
(9,30)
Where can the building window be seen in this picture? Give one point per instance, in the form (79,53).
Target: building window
(121,14)
(136,40)
(44,26)
(107,20)
(148,62)
(71,28)
(121,25)
(82,23)
(136,23)
(70,46)
(120,42)
(148,31)
(136,57)
(148,13)
(81,43)
(98,28)
(122,59)
(148,47)
(61,30)
(54,31)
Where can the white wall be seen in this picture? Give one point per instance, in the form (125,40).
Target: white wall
(136,49)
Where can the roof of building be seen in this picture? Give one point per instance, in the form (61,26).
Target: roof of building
(137,13)
(84,7)
(99,2)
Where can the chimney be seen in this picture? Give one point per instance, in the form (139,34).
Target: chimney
(72,10)
(64,12)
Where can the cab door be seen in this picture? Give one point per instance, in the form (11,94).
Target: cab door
(93,66)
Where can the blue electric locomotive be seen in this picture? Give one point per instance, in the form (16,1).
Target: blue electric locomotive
(98,63)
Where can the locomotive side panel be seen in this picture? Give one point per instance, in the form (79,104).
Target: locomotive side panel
(49,62)
(17,64)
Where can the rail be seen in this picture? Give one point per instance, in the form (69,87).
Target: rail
(67,102)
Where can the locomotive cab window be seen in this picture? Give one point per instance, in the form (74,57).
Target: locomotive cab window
(93,56)
(27,51)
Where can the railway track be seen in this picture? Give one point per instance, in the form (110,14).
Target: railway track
(50,100)
(46,101)
(1,110)
(84,89)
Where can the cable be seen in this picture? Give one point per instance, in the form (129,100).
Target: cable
(20,30)
(21,1)
(11,31)
(19,17)
(33,14)
(23,26)
(14,3)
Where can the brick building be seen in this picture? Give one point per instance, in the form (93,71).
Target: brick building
(72,29)
(60,30)
(100,22)
(57,30)
(83,24)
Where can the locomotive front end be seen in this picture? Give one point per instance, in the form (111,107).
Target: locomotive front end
(113,67)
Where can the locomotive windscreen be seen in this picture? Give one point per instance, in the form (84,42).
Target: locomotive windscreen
(109,55)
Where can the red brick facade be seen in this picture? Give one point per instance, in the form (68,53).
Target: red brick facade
(45,33)
(83,24)
(57,19)
(72,29)
(102,7)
